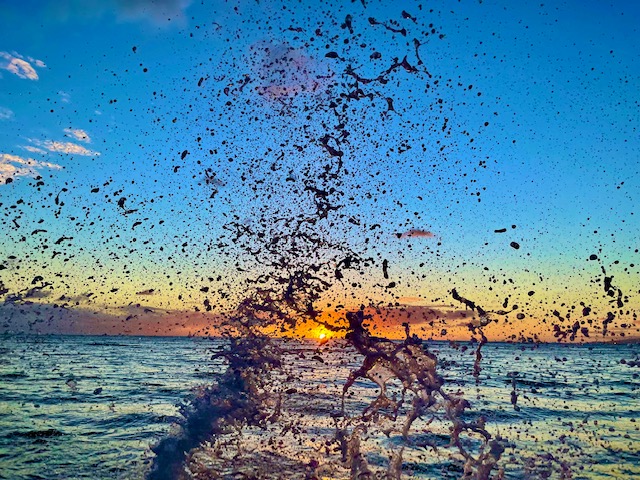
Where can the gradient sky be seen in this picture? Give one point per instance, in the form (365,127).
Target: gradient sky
(101,99)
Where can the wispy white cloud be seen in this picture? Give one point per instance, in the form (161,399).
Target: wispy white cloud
(64,147)
(20,68)
(159,12)
(78,134)
(69,147)
(16,64)
(27,161)
(16,166)
(5,114)
(64,96)
(33,149)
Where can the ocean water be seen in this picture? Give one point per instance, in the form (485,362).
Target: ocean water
(91,407)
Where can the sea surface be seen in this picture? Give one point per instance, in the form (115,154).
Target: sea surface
(91,407)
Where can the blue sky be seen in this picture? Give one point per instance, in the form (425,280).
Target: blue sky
(106,95)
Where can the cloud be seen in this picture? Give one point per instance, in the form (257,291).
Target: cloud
(31,149)
(65,147)
(26,316)
(416,233)
(69,147)
(5,114)
(20,67)
(157,11)
(419,314)
(15,166)
(64,97)
(150,291)
(78,134)
(408,300)
(27,161)
(431,320)
(162,13)
(285,72)
(37,292)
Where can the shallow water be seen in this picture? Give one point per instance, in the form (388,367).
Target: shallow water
(577,404)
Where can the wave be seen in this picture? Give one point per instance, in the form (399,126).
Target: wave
(31,434)
(14,375)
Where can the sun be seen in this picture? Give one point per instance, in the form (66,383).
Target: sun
(322,336)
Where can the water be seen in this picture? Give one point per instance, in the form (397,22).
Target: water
(91,407)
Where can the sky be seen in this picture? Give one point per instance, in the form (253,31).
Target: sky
(133,134)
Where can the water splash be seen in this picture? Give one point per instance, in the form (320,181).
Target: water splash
(294,248)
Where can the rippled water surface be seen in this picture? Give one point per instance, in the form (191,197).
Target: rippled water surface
(90,407)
